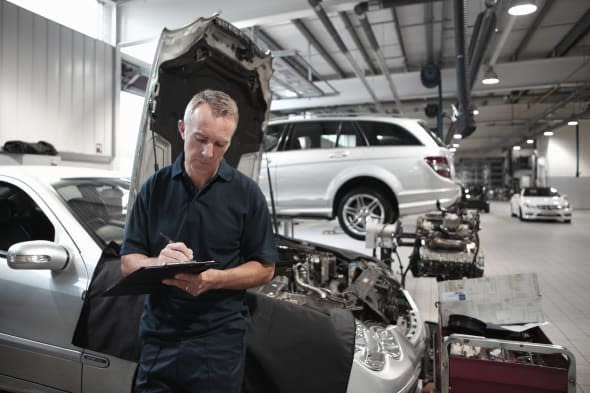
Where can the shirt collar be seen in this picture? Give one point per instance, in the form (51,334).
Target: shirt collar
(225,171)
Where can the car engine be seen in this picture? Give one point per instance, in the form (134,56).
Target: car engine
(447,245)
(323,277)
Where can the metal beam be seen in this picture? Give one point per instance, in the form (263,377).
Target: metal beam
(579,31)
(321,13)
(429,27)
(355,37)
(300,68)
(361,12)
(532,29)
(396,3)
(400,38)
(318,46)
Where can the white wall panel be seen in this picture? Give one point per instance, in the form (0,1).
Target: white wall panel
(559,153)
(55,84)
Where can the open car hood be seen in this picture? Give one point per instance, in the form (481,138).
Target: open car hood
(210,53)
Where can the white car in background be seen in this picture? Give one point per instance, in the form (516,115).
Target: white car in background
(540,203)
(356,167)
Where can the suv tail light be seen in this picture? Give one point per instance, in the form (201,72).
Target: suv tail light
(440,165)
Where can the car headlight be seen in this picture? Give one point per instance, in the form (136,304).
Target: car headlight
(373,344)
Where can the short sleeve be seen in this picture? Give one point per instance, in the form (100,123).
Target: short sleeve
(258,242)
(136,230)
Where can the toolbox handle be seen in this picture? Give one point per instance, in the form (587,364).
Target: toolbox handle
(483,342)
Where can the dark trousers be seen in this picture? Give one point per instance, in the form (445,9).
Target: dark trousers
(208,364)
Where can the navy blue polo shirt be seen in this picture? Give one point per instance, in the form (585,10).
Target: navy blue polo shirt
(226,221)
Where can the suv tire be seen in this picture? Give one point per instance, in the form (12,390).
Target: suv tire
(360,203)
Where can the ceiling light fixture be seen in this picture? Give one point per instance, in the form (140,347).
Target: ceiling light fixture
(530,141)
(453,149)
(522,7)
(457,136)
(475,112)
(490,77)
(572,123)
(455,145)
(548,133)
(516,147)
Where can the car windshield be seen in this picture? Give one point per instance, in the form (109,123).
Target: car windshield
(541,192)
(100,204)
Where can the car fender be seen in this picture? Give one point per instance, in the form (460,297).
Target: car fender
(376,172)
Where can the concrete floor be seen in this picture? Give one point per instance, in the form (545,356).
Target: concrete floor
(559,254)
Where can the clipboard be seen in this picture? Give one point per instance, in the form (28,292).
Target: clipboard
(148,279)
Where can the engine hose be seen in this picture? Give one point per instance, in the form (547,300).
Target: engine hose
(304,285)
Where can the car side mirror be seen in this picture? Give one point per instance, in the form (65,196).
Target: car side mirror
(37,255)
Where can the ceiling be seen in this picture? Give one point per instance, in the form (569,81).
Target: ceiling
(327,60)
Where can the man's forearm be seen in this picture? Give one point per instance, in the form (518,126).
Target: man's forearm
(248,275)
(132,262)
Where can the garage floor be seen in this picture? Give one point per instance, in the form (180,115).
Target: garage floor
(559,254)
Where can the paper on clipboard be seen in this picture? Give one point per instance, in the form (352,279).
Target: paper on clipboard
(149,279)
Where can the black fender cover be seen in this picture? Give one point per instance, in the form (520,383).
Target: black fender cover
(290,348)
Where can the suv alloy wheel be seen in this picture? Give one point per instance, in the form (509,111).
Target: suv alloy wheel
(360,204)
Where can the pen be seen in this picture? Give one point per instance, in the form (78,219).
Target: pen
(166,237)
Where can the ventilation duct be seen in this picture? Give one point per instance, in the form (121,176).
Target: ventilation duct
(482,35)
(465,124)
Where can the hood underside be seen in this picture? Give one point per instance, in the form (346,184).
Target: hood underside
(207,54)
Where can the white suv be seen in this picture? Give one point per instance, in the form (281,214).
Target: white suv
(356,167)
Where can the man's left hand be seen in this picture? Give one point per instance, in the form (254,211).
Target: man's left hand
(196,284)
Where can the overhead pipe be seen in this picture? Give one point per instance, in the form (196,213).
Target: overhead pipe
(465,124)
(321,13)
(361,10)
(482,34)
(502,40)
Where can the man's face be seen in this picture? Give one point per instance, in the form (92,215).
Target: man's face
(206,139)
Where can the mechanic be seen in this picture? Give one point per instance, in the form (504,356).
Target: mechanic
(199,208)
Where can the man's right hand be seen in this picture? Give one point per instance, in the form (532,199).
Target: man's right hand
(175,252)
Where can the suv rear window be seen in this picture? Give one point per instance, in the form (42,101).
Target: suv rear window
(387,134)
(324,135)
(433,136)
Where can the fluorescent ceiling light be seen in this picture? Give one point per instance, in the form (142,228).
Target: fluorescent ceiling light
(522,7)
(475,112)
(515,147)
(572,123)
(548,133)
(457,136)
(490,77)
(455,145)
(530,141)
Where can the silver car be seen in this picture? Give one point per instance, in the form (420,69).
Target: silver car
(56,221)
(355,168)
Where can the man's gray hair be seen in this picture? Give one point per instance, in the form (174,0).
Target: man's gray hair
(221,104)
